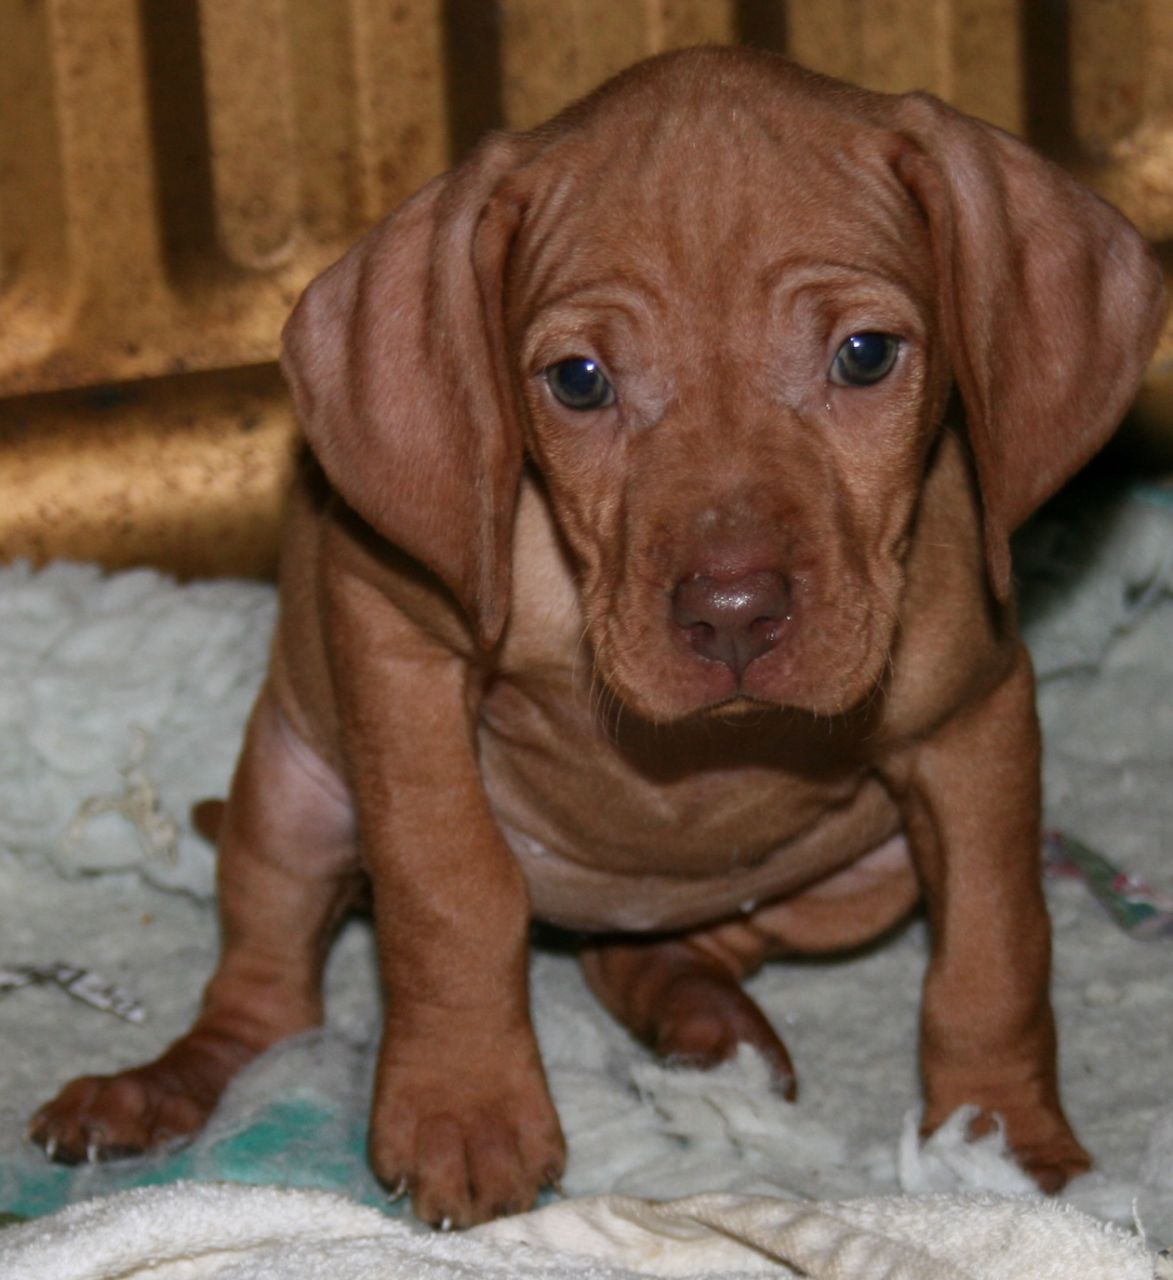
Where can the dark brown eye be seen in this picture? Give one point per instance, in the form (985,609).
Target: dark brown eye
(865,358)
(580,384)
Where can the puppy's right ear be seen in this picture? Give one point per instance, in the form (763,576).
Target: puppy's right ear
(396,360)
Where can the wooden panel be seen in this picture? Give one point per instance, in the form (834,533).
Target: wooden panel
(175,171)
(250,129)
(966,51)
(554,53)
(188,474)
(401,111)
(205,159)
(1122,144)
(33,225)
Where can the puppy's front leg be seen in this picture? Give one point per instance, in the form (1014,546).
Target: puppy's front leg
(461,1114)
(971,800)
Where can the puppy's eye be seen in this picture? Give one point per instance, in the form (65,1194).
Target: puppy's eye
(864,358)
(579,383)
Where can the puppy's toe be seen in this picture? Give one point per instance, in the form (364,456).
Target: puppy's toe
(469,1175)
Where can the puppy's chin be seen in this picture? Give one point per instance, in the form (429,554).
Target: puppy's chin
(740,707)
(687,688)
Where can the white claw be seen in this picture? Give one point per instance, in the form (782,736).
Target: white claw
(51,1146)
(398,1191)
(445,1224)
(92,1151)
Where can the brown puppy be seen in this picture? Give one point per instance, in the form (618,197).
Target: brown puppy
(647,587)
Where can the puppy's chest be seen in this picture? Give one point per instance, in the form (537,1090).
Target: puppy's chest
(654,829)
(552,744)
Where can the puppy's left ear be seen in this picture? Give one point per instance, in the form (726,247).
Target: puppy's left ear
(1051,304)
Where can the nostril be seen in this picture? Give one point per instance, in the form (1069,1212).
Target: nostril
(765,629)
(700,634)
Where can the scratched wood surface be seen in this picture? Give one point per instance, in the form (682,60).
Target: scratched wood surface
(172,173)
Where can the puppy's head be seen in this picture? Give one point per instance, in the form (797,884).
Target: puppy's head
(720,303)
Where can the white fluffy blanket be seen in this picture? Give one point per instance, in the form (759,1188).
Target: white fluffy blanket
(121,702)
(187,1231)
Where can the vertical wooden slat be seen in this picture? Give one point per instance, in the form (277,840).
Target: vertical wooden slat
(108,174)
(894,62)
(967,51)
(400,99)
(32,214)
(1122,117)
(676,24)
(553,53)
(250,125)
(1122,76)
(1109,47)
(827,37)
(1159,57)
(986,74)
(323,88)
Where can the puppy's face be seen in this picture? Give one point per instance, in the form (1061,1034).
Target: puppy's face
(724,341)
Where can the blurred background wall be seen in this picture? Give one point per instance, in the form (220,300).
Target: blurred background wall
(173,172)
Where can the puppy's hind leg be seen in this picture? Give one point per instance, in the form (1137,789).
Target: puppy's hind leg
(682,996)
(287,874)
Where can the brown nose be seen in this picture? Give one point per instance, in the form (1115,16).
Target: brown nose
(732,620)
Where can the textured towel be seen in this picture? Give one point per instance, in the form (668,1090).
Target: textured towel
(193,1232)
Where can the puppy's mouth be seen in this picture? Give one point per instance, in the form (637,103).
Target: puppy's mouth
(740,707)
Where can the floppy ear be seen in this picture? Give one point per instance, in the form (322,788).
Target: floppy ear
(396,361)
(1051,304)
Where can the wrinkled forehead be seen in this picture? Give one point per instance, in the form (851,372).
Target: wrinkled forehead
(702,197)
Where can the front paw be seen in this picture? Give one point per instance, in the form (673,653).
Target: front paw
(469,1146)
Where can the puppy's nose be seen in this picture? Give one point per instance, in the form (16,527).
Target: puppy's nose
(732,620)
